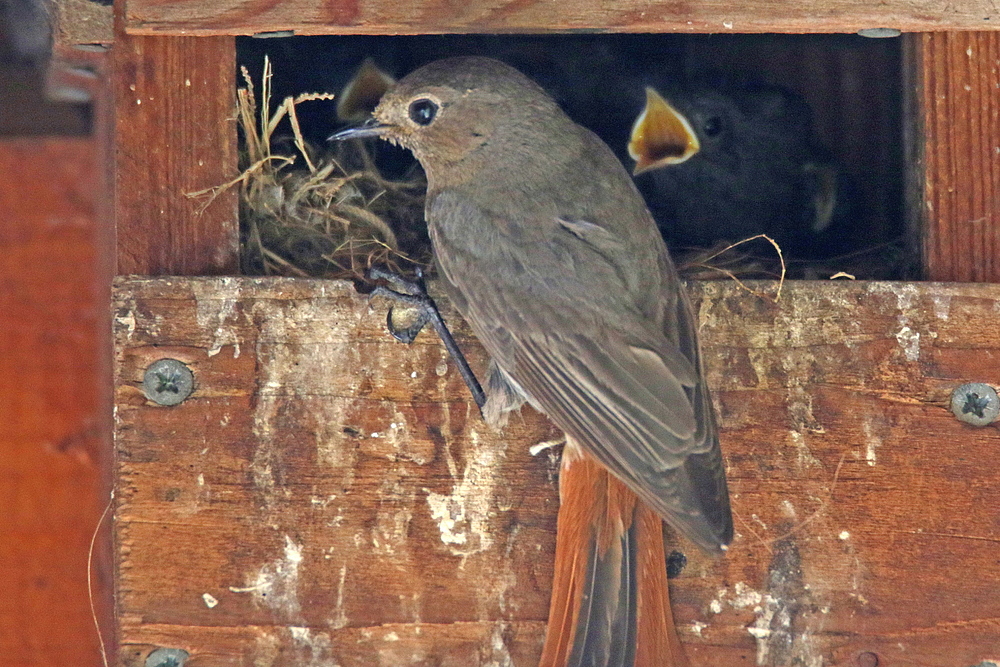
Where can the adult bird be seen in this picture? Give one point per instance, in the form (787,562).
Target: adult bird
(546,247)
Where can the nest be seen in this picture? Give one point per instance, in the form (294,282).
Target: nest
(332,213)
(325,213)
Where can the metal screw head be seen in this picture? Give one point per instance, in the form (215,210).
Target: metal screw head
(167,657)
(866,659)
(975,403)
(879,33)
(167,382)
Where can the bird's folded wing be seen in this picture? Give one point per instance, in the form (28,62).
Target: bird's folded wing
(626,407)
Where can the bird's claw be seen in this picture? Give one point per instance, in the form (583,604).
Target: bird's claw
(406,334)
(413,293)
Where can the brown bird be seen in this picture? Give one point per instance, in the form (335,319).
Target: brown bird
(547,249)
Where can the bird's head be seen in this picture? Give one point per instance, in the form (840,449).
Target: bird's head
(446,110)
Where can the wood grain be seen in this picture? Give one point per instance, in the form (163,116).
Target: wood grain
(54,393)
(76,22)
(957,114)
(231,17)
(328,495)
(174,134)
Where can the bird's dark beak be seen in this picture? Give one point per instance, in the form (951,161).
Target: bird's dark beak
(370,128)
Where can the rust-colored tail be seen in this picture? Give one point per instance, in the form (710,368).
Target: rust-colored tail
(610,604)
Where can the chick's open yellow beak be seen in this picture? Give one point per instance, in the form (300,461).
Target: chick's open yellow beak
(661,135)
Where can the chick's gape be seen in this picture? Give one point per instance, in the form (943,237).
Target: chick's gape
(547,249)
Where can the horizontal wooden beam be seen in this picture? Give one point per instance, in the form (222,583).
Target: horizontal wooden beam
(327,494)
(312,17)
(84,23)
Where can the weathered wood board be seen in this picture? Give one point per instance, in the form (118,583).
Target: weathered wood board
(174,135)
(329,496)
(955,124)
(231,17)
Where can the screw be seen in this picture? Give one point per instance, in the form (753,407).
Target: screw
(866,659)
(167,382)
(167,657)
(975,403)
(879,33)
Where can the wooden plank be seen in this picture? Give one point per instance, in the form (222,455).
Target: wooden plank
(312,17)
(80,22)
(957,152)
(53,437)
(175,134)
(328,495)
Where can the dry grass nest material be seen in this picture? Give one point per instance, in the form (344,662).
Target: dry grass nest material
(307,212)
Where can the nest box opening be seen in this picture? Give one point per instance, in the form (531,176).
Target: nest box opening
(798,137)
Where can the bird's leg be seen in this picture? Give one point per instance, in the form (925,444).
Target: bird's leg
(414,294)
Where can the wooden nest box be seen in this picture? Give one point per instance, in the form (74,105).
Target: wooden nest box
(327,496)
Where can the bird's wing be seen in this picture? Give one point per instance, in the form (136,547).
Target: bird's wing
(635,417)
(615,379)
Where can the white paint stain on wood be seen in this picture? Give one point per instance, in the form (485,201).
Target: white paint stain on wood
(942,306)
(266,648)
(127,321)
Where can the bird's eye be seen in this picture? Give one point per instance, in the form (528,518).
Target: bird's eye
(712,126)
(423,111)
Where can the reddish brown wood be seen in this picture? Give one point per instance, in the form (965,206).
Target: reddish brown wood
(76,22)
(175,134)
(231,17)
(54,433)
(955,77)
(338,497)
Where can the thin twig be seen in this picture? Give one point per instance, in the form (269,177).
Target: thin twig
(90,582)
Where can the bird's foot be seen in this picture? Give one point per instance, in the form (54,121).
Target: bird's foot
(414,294)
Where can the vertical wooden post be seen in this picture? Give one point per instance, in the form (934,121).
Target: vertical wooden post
(175,133)
(954,152)
(54,437)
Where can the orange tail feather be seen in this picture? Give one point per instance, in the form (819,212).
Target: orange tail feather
(610,603)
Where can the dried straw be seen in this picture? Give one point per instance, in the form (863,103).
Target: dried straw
(333,218)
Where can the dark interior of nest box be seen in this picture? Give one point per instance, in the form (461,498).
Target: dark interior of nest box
(756,99)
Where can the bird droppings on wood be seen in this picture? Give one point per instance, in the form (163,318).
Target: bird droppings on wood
(908,338)
(781,631)
(316,643)
(215,312)
(462,516)
(276,584)
(942,306)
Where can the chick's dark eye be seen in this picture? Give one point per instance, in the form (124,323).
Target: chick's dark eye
(423,111)
(712,126)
